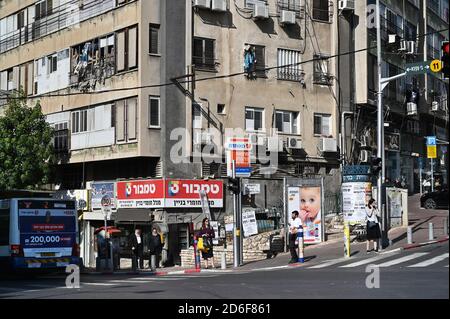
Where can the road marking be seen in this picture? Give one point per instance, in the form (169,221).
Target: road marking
(402,260)
(431,261)
(98,284)
(271,268)
(328,263)
(127,281)
(365,261)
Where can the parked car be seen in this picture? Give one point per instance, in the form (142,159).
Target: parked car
(437,199)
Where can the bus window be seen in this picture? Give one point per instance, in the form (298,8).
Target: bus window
(4,227)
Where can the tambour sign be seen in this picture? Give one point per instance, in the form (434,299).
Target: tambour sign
(161,193)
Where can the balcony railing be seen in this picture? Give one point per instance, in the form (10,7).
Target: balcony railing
(290,74)
(323,78)
(61,17)
(99,70)
(204,63)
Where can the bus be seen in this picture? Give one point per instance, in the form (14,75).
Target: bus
(38,233)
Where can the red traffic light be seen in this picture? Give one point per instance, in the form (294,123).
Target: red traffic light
(446,47)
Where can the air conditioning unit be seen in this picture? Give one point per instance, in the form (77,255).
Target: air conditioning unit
(202,138)
(293,143)
(274,144)
(435,106)
(411,108)
(328,144)
(256,139)
(260,10)
(403,46)
(287,17)
(364,156)
(219,5)
(204,4)
(411,47)
(346,5)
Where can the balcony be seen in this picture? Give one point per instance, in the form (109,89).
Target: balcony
(387,27)
(290,5)
(85,75)
(290,74)
(323,78)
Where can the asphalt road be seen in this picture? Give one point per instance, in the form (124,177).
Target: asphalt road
(416,273)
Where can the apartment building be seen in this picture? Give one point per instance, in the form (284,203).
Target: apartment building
(418,28)
(116,77)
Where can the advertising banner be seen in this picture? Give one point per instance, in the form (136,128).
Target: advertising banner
(307,200)
(238,150)
(140,194)
(47,225)
(100,189)
(355,196)
(186,193)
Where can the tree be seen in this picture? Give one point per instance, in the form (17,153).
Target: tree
(26,151)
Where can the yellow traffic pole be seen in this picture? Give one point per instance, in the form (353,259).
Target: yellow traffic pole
(347,240)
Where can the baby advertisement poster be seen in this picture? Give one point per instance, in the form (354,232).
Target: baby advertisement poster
(307,200)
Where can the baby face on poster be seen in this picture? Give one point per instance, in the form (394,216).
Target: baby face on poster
(310,202)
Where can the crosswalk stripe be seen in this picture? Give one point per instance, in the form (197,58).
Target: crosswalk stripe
(402,260)
(328,263)
(98,284)
(127,281)
(366,261)
(431,261)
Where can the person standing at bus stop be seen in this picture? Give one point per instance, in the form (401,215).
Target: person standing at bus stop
(137,248)
(294,225)
(155,248)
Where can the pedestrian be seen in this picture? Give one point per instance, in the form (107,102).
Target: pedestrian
(155,249)
(207,233)
(294,225)
(373,225)
(137,248)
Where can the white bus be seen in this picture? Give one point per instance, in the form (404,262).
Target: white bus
(38,233)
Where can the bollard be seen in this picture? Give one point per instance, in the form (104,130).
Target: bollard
(301,258)
(409,235)
(196,254)
(224,260)
(446,226)
(430,231)
(347,240)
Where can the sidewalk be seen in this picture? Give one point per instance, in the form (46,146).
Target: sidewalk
(333,248)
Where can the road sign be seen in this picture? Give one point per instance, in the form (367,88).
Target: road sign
(431,151)
(418,67)
(436,65)
(431,140)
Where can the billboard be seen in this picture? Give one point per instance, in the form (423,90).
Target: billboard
(307,200)
(355,196)
(238,150)
(100,189)
(173,193)
(140,194)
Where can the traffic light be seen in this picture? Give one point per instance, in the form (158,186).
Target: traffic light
(445,58)
(234,185)
(375,166)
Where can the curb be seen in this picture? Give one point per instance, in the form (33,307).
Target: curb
(158,273)
(411,246)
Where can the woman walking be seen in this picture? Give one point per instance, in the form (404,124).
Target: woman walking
(207,233)
(373,226)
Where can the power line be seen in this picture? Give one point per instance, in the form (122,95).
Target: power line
(47,95)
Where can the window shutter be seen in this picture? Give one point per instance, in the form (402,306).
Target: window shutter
(198,51)
(154,112)
(260,59)
(326,125)
(317,124)
(30,78)
(209,51)
(279,121)
(131,118)
(120,51)
(132,44)
(153,40)
(120,121)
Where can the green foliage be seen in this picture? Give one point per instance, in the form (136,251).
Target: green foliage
(26,150)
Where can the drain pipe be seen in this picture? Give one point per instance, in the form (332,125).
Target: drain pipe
(342,140)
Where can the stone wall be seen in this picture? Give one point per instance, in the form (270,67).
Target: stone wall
(255,248)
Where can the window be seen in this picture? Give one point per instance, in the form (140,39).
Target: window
(79,121)
(197,121)
(321,10)
(251,3)
(287,122)
(254,60)
(126,49)
(44,9)
(153,39)
(154,112)
(203,56)
(61,138)
(254,118)
(322,124)
(4,226)
(321,67)
(126,111)
(221,109)
(292,72)
(52,64)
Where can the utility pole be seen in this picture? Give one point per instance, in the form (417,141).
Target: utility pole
(236,222)
(380,127)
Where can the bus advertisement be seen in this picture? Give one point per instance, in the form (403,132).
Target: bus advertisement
(42,233)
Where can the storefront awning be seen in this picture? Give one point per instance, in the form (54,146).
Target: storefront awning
(133,215)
